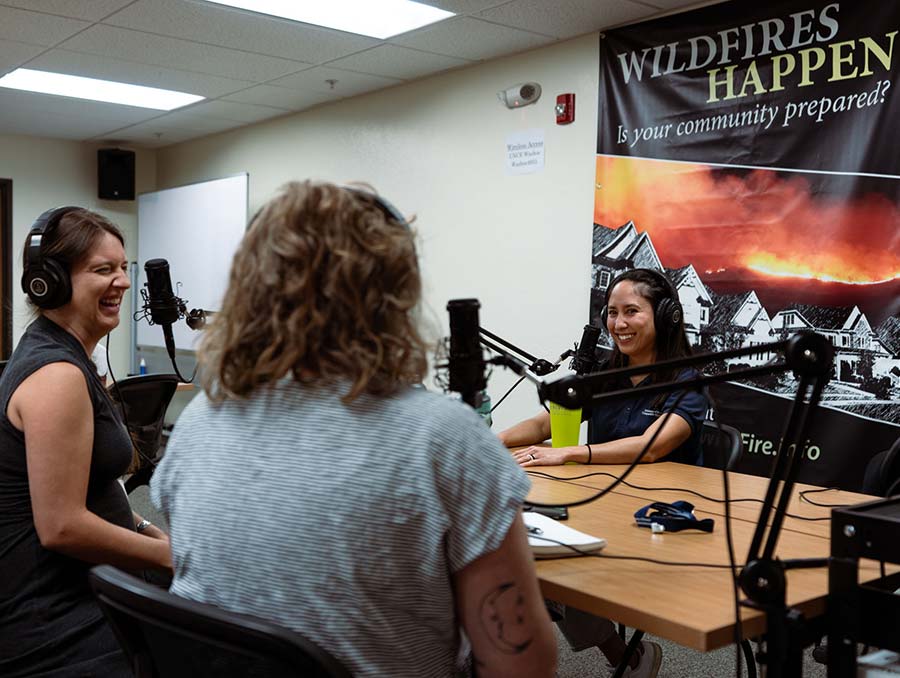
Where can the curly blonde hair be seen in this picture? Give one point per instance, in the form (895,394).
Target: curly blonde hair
(324,285)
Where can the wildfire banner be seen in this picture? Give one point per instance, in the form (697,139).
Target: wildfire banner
(750,151)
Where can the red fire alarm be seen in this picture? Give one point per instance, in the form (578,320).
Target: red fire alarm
(565,108)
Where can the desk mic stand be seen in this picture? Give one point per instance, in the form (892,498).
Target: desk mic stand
(522,363)
(809,356)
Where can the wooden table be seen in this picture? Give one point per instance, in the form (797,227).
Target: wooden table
(692,606)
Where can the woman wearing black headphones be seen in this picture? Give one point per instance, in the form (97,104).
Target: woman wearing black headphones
(63,447)
(645,321)
(642,315)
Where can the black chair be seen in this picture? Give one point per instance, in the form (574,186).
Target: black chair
(166,636)
(882,475)
(722,445)
(145,399)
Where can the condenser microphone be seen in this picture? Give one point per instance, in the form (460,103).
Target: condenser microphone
(466,363)
(162,304)
(585,359)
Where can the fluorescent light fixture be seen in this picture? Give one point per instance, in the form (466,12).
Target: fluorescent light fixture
(96,90)
(375,18)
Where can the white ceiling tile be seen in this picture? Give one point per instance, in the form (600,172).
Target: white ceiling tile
(463,6)
(90,10)
(564,18)
(471,39)
(347,83)
(154,135)
(189,120)
(398,62)
(119,70)
(237,29)
(280,97)
(239,112)
(140,140)
(15,99)
(36,28)
(37,123)
(14,54)
(122,43)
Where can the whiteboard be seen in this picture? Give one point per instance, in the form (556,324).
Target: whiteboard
(197,229)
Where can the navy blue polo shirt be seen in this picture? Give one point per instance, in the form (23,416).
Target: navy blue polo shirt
(629,417)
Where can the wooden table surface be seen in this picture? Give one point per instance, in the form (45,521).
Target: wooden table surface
(690,605)
(709,482)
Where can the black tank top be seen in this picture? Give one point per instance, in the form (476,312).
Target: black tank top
(46,606)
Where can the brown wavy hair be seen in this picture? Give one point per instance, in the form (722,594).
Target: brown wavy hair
(325,285)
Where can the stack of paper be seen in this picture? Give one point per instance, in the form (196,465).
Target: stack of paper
(548,537)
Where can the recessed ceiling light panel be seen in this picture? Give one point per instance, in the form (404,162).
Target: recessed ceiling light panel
(375,18)
(92,89)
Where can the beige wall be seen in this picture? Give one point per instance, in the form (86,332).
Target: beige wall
(49,172)
(435,148)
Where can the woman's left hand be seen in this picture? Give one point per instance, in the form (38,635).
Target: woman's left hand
(537,455)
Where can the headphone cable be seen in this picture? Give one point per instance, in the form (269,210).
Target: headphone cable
(123,409)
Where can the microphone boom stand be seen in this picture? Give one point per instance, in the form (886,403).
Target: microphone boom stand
(521,362)
(809,355)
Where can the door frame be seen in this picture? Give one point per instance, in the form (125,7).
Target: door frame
(6,228)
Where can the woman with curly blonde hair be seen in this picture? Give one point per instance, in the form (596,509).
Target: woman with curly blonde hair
(314,485)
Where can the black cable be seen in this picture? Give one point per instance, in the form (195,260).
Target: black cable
(497,404)
(123,409)
(803,497)
(729,540)
(894,487)
(548,476)
(631,466)
(595,554)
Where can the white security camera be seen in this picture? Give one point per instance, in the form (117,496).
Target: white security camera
(520,95)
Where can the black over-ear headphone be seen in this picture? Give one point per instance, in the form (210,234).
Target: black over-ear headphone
(45,280)
(668,314)
(386,207)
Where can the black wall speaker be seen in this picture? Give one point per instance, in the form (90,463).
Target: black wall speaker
(115,174)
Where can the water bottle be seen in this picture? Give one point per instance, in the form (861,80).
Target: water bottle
(142,367)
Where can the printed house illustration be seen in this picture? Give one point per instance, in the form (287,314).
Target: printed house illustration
(866,358)
(859,351)
(739,320)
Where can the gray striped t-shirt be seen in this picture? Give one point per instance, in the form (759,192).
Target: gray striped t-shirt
(343,522)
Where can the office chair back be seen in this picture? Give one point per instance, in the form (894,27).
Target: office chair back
(722,445)
(166,636)
(882,475)
(145,399)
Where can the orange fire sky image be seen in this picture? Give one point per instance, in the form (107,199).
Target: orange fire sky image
(757,226)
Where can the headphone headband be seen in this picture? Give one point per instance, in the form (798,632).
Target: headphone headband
(389,211)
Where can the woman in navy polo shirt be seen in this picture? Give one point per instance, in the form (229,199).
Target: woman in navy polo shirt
(645,321)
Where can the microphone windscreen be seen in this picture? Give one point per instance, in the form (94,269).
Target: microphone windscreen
(466,363)
(161,302)
(585,360)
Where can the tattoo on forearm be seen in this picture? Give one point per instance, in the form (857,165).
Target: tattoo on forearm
(504,618)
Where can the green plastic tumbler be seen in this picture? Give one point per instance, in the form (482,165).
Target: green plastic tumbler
(565,425)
